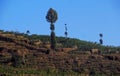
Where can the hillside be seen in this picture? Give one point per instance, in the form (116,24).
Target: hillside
(27,55)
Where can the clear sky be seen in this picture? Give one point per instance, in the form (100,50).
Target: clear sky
(85,18)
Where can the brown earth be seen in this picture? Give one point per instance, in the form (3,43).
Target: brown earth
(61,60)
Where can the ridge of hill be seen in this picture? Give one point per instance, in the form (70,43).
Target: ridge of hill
(27,54)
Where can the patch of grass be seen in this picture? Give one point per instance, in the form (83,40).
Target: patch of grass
(11,71)
(27,71)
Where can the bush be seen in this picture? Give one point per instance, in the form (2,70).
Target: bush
(17,60)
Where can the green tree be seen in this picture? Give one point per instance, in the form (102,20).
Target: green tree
(52,17)
(53,40)
(66,33)
(101,35)
(101,40)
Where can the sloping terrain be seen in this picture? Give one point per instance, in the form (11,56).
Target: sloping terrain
(36,58)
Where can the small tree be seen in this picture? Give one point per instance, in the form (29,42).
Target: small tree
(101,35)
(53,40)
(101,40)
(52,17)
(27,32)
(66,33)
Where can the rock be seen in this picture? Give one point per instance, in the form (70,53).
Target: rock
(95,51)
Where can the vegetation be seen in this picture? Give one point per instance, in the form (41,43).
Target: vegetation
(27,32)
(17,60)
(53,40)
(11,71)
(22,54)
(52,17)
(101,40)
(82,45)
(38,61)
(66,33)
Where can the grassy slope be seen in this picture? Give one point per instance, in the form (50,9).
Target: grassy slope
(58,63)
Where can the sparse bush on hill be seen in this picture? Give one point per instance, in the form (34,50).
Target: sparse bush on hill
(37,59)
(17,60)
(82,45)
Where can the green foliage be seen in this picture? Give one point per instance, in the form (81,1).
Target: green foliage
(101,35)
(51,16)
(66,33)
(82,45)
(27,32)
(52,26)
(43,38)
(31,69)
(11,71)
(1,30)
(101,40)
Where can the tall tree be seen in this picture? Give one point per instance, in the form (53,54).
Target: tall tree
(66,34)
(52,17)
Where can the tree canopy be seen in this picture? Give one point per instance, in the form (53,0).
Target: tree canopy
(51,16)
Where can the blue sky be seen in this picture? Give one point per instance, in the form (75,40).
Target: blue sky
(85,18)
